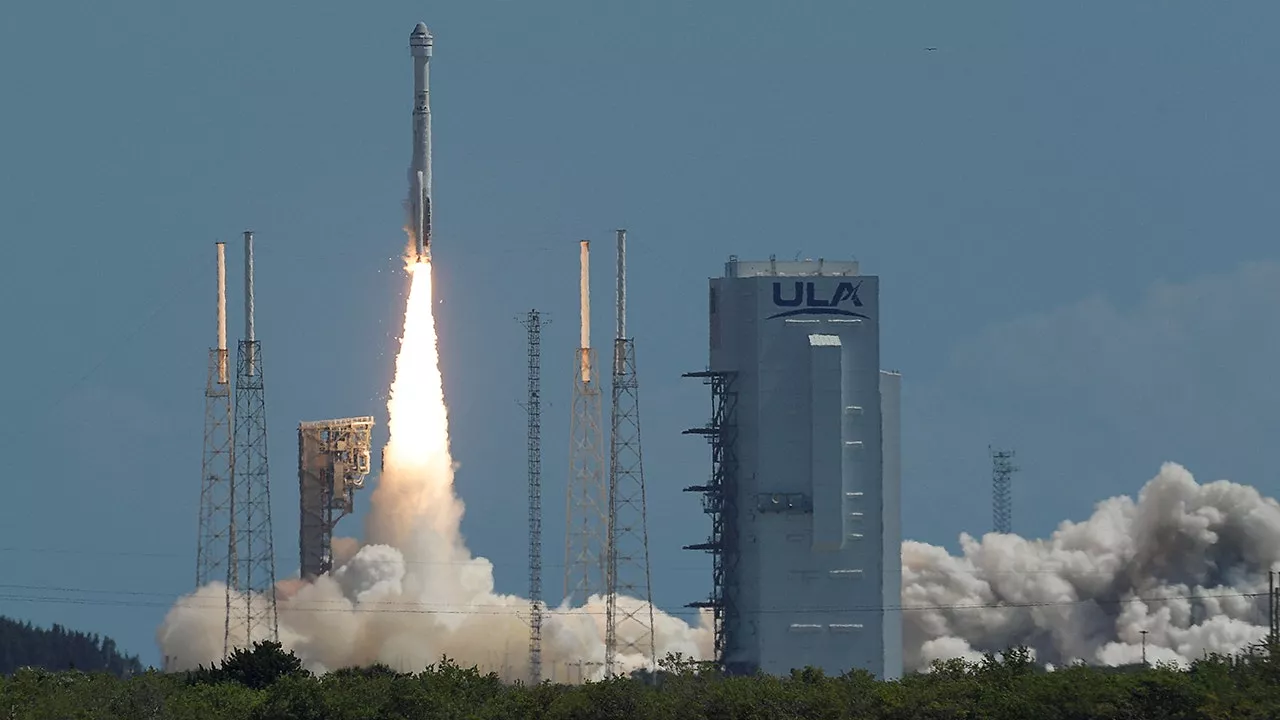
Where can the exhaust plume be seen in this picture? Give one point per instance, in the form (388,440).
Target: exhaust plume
(412,592)
(1186,562)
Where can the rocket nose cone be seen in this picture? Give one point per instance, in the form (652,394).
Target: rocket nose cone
(419,30)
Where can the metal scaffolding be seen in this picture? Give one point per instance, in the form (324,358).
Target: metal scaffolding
(720,502)
(627,569)
(586,514)
(533,324)
(251,571)
(333,462)
(213,540)
(1002,470)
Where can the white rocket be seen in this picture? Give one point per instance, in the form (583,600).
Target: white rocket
(420,169)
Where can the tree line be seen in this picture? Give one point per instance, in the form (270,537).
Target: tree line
(56,648)
(268,683)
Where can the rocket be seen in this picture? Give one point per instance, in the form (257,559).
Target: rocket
(419,203)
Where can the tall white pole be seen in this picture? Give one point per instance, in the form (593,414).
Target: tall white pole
(222,313)
(248,301)
(584,291)
(622,284)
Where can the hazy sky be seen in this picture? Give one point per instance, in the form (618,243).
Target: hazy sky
(1071,207)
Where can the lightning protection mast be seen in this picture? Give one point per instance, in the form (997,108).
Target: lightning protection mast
(628,539)
(251,572)
(213,543)
(1002,470)
(587,511)
(533,324)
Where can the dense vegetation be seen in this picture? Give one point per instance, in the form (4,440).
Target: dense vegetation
(22,645)
(268,684)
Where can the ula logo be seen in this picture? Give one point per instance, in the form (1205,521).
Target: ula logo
(802,296)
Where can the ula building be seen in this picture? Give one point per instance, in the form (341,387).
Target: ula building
(805,486)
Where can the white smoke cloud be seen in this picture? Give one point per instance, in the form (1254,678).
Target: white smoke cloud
(412,591)
(1087,592)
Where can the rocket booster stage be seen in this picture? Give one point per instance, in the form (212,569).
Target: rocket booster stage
(420,170)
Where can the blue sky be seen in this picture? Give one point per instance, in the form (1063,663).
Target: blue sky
(1071,207)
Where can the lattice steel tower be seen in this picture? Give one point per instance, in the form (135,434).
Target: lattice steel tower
(1002,470)
(533,323)
(628,538)
(251,576)
(587,510)
(213,542)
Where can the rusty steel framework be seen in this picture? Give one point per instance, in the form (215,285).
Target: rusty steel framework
(720,502)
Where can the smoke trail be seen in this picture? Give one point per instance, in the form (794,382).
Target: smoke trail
(413,592)
(1087,591)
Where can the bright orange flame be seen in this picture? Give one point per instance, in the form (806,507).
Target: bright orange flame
(417,478)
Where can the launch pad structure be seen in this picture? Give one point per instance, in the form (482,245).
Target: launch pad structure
(333,462)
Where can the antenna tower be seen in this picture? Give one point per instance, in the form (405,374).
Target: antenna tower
(1002,470)
(251,572)
(533,323)
(587,511)
(628,539)
(215,484)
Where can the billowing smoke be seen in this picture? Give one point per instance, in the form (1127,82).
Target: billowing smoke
(412,592)
(1186,562)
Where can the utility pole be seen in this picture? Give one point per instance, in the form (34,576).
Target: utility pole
(1144,645)
(533,324)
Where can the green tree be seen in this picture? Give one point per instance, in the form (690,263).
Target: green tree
(257,668)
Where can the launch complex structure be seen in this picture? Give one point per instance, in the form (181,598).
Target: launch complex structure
(803,497)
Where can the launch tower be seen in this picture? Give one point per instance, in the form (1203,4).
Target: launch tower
(333,462)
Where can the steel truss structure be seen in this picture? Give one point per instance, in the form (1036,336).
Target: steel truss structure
(533,324)
(251,570)
(627,568)
(720,502)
